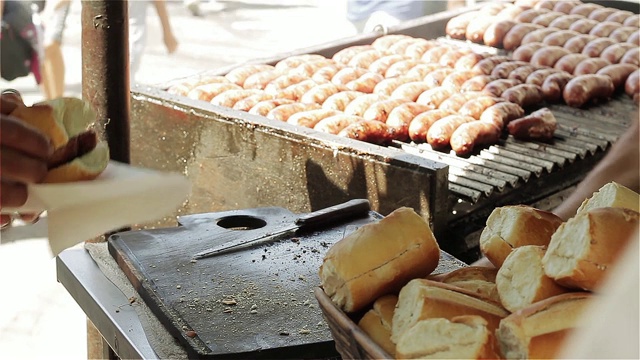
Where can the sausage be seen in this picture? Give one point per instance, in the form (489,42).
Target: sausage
(585,9)
(439,134)
(577,43)
(456,27)
(434,97)
(326,72)
(334,124)
(387,86)
(494,34)
(502,113)
(421,123)
(381,65)
(559,38)
(284,111)
(605,28)
(360,104)
(583,26)
(537,35)
(374,132)
(492,8)
(295,91)
(537,77)
(468,61)
(497,87)
(77,146)
(320,93)
(546,18)
(365,83)
(565,22)
(281,82)
(261,79)
(310,118)
(525,52)
(514,37)
(539,125)
(184,87)
(410,91)
(615,52)
(619,16)
(230,97)
(569,62)
(477,83)
(565,6)
(511,11)
(525,95)
(475,107)
(400,46)
(601,14)
(476,28)
(633,21)
(294,61)
(622,33)
(209,91)
(456,79)
(503,70)
(307,69)
(401,117)
(590,66)
(632,56)
(400,68)
(436,77)
(263,107)
(417,49)
(634,38)
(544,4)
(347,74)
(339,101)
(384,42)
(450,58)
(380,110)
(553,86)
(419,71)
(240,74)
(456,101)
(527,16)
(522,73)
(595,47)
(434,54)
(632,85)
(583,89)
(365,59)
(486,66)
(250,101)
(472,134)
(344,56)
(618,73)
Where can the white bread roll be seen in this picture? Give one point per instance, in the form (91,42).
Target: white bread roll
(379,258)
(477,279)
(425,299)
(463,337)
(521,280)
(509,227)
(539,331)
(612,195)
(583,248)
(377,322)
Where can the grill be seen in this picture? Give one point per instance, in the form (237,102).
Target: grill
(239,160)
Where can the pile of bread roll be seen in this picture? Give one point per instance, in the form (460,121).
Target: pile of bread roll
(546,273)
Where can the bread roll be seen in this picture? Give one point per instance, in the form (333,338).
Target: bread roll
(377,322)
(509,227)
(612,195)
(463,337)
(521,280)
(379,258)
(583,248)
(425,299)
(477,279)
(538,331)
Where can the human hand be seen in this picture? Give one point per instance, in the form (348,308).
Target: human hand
(170,42)
(24,151)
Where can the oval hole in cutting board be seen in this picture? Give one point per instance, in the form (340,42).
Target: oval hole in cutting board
(241,222)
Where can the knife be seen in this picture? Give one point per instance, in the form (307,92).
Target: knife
(349,209)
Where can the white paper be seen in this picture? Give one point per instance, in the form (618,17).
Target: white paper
(121,196)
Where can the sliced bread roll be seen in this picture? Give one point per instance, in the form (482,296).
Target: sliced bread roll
(463,337)
(377,322)
(509,227)
(539,331)
(612,195)
(583,248)
(378,259)
(521,280)
(477,279)
(425,299)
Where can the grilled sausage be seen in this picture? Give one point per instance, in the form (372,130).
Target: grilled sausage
(585,9)
(374,132)
(477,83)
(528,15)
(475,107)
(544,4)
(522,72)
(400,68)
(365,83)
(511,11)
(595,47)
(307,69)
(495,33)
(421,123)
(559,38)
(502,113)
(261,79)
(209,91)
(401,117)
(472,134)
(525,95)
(436,77)
(565,22)
(263,107)
(281,82)
(457,100)
(525,52)
(577,43)
(539,125)
(410,91)
(546,18)
(615,52)
(346,75)
(439,134)
(380,110)
(565,6)
(485,66)
(295,91)
(456,79)
(339,101)
(590,66)
(605,28)
(434,97)
(345,55)
(360,104)
(417,49)
(618,73)
(569,62)
(381,65)
(632,85)
(632,56)
(537,35)
(583,89)
(468,61)
(310,118)
(284,111)
(184,87)
(601,14)
(334,124)
(240,74)
(633,21)
(548,56)
(75,147)
(622,33)
(537,77)
(364,59)
(634,38)
(250,101)
(318,94)
(400,46)
(434,54)
(583,26)
(497,87)
(419,71)
(554,85)
(326,73)
(294,61)
(503,70)
(619,16)
(387,86)
(449,59)
(456,27)
(384,42)
(230,97)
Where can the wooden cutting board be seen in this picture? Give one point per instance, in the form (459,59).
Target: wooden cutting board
(254,303)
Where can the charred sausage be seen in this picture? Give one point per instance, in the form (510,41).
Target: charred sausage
(583,89)
(539,125)
(472,134)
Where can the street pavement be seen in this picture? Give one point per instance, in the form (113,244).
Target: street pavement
(38,318)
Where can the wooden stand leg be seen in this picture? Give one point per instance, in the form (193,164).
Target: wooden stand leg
(97,347)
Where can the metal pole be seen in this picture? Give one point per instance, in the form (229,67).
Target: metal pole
(105,69)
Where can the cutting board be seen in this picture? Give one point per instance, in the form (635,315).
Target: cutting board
(256,302)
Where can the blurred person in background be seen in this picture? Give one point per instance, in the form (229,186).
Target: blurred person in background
(194,6)
(365,15)
(53,70)
(138,31)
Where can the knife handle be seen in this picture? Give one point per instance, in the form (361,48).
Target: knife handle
(351,208)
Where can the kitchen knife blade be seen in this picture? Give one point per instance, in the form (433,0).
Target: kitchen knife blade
(349,209)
